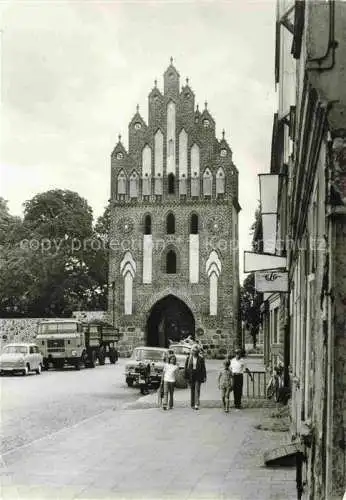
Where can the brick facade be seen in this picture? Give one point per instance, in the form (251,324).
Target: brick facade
(217,220)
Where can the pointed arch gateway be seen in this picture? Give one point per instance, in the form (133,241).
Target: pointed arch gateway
(169,318)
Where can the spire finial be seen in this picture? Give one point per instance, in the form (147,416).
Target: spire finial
(119,137)
(155,82)
(137,108)
(197,107)
(171,60)
(206,104)
(223,133)
(187,81)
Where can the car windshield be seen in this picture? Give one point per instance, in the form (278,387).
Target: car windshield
(140,354)
(180,349)
(15,349)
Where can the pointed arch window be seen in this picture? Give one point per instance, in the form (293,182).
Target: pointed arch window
(170,224)
(147,224)
(134,185)
(194,224)
(207,182)
(121,183)
(171,183)
(171,262)
(220,181)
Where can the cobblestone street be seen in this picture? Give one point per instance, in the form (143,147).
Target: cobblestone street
(142,452)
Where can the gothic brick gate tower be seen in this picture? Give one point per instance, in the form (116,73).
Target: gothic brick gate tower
(174,266)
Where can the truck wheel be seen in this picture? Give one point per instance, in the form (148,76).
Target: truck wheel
(112,359)
(26,371)
(78,364)
(129,382)
(102,359)
(45,366)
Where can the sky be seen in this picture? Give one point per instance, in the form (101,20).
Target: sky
(72,73)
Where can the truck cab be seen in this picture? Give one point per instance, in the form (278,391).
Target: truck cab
(62,342)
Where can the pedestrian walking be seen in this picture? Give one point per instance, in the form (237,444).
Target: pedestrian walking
(195,373)
(225,383)
(238,367)
(169,377)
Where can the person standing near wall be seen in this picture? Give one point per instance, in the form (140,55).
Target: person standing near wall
(195,374)
(238,367)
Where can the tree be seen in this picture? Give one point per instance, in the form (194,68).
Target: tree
(54,261)
(250,300)
(59,214)
(99,259)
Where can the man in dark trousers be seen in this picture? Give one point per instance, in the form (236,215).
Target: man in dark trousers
(195,374)
(238,367)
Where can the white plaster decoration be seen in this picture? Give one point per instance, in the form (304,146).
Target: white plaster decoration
(183,154)
(213,270)
(195,186)
(220,181)
(158,140)
(146,171)
(183,185)
(146,161)
(158,185)
(146,186)
(147,258)
(207,182)
(128,285)
(134,185)
(121,182)
(128,271)
(194,258)
(171,138)
(213,295)
(195,161)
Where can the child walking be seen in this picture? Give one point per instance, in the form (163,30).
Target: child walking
(169,377)
(225,382)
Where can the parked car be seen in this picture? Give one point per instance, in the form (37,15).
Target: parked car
(181,351)
(150,357)
(22,358)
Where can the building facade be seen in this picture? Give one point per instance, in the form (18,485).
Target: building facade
(174,227)
(308,331)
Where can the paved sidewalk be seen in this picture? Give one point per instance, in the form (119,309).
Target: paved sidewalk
(152,454)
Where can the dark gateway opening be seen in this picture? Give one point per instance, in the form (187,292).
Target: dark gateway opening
(170,318)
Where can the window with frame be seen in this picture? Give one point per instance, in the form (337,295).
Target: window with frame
(147,224)
(171,183)
(194,224)
(171,262)
(170,224)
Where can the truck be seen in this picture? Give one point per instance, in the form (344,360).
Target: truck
(105,336)
(68,342)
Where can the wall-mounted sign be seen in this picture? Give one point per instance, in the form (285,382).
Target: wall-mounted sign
(262,261)
(271,281)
